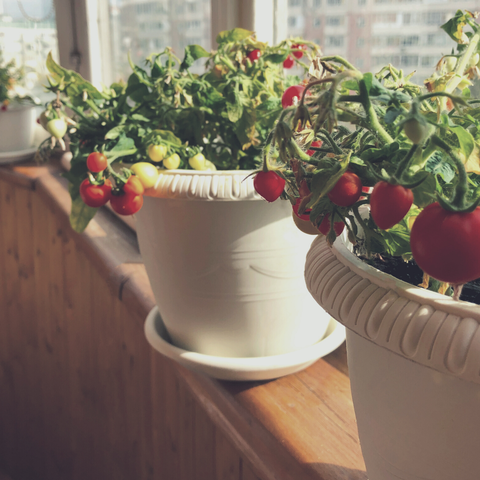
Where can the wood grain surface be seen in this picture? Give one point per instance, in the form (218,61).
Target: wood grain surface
(82,394)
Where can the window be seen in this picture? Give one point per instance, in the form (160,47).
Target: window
(334,41)
(360,42)
(360,22)
(409,61)
(409,40)
(359,63)
(334,2)
(295,3)
(385,18)
(429,61)
(292,21)
(317,3)
(317,22)
(334,21)
(27,34)
(140,29)
(362,2)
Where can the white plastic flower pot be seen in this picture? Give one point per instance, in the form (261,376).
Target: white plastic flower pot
(17,128)
(226,267)
(414,363)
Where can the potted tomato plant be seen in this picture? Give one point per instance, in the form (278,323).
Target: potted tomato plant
(394,201)
(17,111)
(176,149)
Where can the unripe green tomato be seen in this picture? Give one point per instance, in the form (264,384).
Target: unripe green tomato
(415,131)
(474,60)
(57,127)
(172,162)
(209,165)
(450,63)
(157,152)
(197,162)
(146,173)
(465,83)
(43,119)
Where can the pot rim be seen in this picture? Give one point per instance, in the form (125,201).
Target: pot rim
(342,249)
(205,185)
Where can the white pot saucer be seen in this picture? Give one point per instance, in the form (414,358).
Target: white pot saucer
(253,368)
(17,156)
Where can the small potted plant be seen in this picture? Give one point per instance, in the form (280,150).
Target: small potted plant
(176,149)
(17,110)
(393,200)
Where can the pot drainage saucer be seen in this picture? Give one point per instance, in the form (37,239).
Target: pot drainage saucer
(251,368)
(17,156)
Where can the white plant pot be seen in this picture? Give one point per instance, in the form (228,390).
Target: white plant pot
(226,267)
(17,128)
(414,362)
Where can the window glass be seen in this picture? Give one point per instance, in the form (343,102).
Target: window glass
(27,34)
(371,33)
(141,27)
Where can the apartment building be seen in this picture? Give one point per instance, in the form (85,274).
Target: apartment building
(372,33)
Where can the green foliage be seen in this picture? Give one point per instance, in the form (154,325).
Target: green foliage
(385,113)
(226,113)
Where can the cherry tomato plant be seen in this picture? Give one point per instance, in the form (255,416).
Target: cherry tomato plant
(395,164)
(170,117)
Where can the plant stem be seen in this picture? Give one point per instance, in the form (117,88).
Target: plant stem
(459,71)
(371,115)
(459,198)
(342,61)
(403,165)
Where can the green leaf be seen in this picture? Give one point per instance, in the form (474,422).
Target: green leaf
(140,118)
(397,240)
(245,128)
(235,35)
(124,143)
(454,26)
(467,142)
(325,178)
(192,53)
(276,57)
(422,194)
(80,214)
(114,132)
(75,84)
(135,89)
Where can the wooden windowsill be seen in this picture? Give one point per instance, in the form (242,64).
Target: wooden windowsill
(299,427)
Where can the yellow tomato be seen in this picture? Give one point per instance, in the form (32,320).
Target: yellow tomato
(157,152)
(209,165)
(197,162)
(172,162)
(146,173)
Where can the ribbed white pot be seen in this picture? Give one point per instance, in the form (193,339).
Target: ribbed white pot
(226,267)
(17,128)
(414,363)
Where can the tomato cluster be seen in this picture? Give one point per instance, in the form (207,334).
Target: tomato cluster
(127,197)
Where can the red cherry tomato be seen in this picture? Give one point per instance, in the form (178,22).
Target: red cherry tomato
(133,186)
(445,244)
(126,203)
(298,47)
(97,162)
(292,95)
(254,55)
(316,143)
(288,62)
(269,185)
(324,226)
(347,190)
(389,204)
(95,195)
(305,215)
